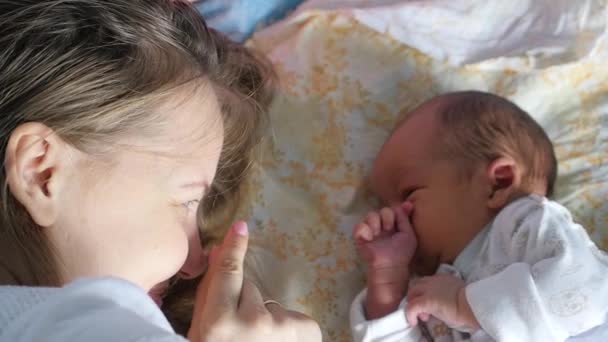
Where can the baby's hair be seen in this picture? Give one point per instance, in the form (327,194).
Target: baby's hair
(481,127)
(94,70)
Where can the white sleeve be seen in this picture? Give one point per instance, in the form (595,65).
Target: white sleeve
(93,311)
(390,328)
(555,285)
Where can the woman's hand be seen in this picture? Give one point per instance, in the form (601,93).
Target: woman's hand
(231,308)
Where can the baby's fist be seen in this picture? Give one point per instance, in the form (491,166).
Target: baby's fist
(386,238)
(442,296)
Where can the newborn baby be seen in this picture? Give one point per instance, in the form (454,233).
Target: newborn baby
(465,178)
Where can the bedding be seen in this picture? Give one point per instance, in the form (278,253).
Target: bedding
(347,71)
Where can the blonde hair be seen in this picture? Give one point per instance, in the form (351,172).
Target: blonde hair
(92,70)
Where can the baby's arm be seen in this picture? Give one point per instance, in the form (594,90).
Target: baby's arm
(386,241)
(390,328)
(554,285)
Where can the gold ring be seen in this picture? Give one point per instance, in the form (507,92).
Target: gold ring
(270,301)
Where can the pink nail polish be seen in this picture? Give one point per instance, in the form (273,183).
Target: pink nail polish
(241,228)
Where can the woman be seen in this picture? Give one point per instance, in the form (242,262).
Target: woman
(114,116)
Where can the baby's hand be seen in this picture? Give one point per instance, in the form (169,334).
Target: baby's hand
(386,238)
(442,296)
(386,241)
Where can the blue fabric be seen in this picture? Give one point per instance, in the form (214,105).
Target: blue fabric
(239,19)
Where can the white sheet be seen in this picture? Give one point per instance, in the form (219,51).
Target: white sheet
(470,31)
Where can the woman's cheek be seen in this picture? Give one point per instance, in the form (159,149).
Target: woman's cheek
(176,252)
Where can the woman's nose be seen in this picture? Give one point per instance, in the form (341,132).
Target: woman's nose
(196,263)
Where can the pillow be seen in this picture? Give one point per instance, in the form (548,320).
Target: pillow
(238,19)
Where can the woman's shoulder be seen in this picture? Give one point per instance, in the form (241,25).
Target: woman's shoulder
(90,309)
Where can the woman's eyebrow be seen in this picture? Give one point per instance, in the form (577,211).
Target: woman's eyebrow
(203,185)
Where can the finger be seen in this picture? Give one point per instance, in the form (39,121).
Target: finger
(408,208)
(251,306)
(415,308)
(269,303)
(251,297)
(373,220)
(411,314)
(306,322)
(226,272)
(298,316)
(388,219)
(200,305)
(363,232)
(307,328)
(424,317)
(279,313)
(403,221)
(213,254)
(203,286)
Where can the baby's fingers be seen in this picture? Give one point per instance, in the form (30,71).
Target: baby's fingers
(419,307)
(374,222)
(363,232)
(388,219)
(402,218)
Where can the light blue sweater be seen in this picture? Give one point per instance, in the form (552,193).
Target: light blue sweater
(88,310)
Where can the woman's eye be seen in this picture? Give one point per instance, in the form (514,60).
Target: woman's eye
(192,204)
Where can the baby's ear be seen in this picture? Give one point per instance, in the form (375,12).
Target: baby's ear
(504,176)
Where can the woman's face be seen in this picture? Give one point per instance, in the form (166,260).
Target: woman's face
(136,218)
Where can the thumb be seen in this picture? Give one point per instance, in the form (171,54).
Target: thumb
(419,307)
(402,215)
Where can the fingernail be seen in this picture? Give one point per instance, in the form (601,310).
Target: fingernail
(240,228)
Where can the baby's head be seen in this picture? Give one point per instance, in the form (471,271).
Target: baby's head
(460,158)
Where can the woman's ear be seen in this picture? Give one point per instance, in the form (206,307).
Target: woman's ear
(35,160)
(504,175)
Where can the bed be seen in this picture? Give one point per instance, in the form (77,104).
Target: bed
(348,68)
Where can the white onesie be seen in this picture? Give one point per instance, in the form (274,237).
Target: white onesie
(532,275)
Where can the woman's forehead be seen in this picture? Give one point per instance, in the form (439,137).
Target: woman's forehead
(192,123)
